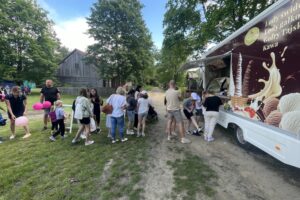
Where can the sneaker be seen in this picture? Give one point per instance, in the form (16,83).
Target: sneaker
(113,141)
(185,141)
(196,133)
(89,142)
(98,130)
(200,129)
(63,137)
(138,134)
(210,139)
(52,138)
(12,137)
(108,135)
(205,137)
(189,132)
(143,135)
(74,141)
(124,139)
(44,128)
(131,132)
(26,135)
(128,132)
(174,134)
(82,136)
(169,138)
(1,142)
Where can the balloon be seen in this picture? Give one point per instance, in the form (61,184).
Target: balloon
(47,104)
(37,106)
(21,121)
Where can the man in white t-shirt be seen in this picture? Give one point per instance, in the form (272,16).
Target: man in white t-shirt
(173,108)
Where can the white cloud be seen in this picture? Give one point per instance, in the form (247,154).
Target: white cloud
(52,14)
(73,33)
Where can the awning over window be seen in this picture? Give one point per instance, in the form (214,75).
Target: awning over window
(217,61)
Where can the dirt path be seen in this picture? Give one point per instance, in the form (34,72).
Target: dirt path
(242,174)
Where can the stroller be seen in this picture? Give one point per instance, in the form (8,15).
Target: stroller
(152,115)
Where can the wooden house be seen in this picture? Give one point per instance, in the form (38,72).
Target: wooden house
(74,71)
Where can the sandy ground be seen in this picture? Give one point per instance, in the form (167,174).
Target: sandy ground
(242,174)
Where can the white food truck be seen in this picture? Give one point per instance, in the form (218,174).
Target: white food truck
(256,71)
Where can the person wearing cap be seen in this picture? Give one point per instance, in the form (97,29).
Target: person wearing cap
(142,108)
(174,111)
(188,109)
(198,106)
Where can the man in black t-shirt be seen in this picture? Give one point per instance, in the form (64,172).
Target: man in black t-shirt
(16,107)
(49,93)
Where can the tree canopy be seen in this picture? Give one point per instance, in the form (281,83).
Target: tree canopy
(28,45)
(123,43)
(190,25)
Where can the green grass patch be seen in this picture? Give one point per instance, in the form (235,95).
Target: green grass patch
(36,168)
(192,176)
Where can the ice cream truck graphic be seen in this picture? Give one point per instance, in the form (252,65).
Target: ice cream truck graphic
(260,68)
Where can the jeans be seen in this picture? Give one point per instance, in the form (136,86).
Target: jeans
(61,129)
(210,121)
(120,122)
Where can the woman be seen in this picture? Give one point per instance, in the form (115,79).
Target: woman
(142,108)
(83,113)
(96,108)
(118,103)
(211,114)
(16,106)
(131,108)
(137,96)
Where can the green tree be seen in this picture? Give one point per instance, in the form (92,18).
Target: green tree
(189,25)
(27,41)
(123,43)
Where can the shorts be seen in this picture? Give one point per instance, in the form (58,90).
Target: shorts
(175,114)
(18,114)
(130,115)
(85,121)
(199,112)
(188,114)
(143,115)
(46,111)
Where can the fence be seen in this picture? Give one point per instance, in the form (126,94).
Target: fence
(102,91)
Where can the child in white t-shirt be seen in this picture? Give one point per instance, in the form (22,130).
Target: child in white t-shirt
(142,108)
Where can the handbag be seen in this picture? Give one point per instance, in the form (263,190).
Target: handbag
(107,109)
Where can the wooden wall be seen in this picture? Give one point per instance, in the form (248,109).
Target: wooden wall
(74,71)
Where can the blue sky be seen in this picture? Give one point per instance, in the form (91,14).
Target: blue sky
(70,24)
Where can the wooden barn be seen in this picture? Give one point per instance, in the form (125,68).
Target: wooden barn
(73,71)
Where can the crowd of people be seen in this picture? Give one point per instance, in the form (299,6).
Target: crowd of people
(133,104)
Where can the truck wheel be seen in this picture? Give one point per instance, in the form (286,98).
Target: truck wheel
(239,137)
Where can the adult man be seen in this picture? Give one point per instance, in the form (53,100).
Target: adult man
(49,93)
(16,107)
(173,109)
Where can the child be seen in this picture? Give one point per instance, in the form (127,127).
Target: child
(52,116)
(2,121)
(131,107)
(143,108)
(60,116)
(108,125)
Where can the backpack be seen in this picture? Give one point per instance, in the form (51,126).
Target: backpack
(78,108)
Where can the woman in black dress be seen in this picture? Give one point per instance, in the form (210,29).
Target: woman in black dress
(96,101)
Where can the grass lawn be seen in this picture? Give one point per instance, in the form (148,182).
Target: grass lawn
(36,168)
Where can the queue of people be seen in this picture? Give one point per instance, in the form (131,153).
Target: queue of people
(132,103)
(193,108)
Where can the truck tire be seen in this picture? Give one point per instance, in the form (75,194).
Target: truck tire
(239,137)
